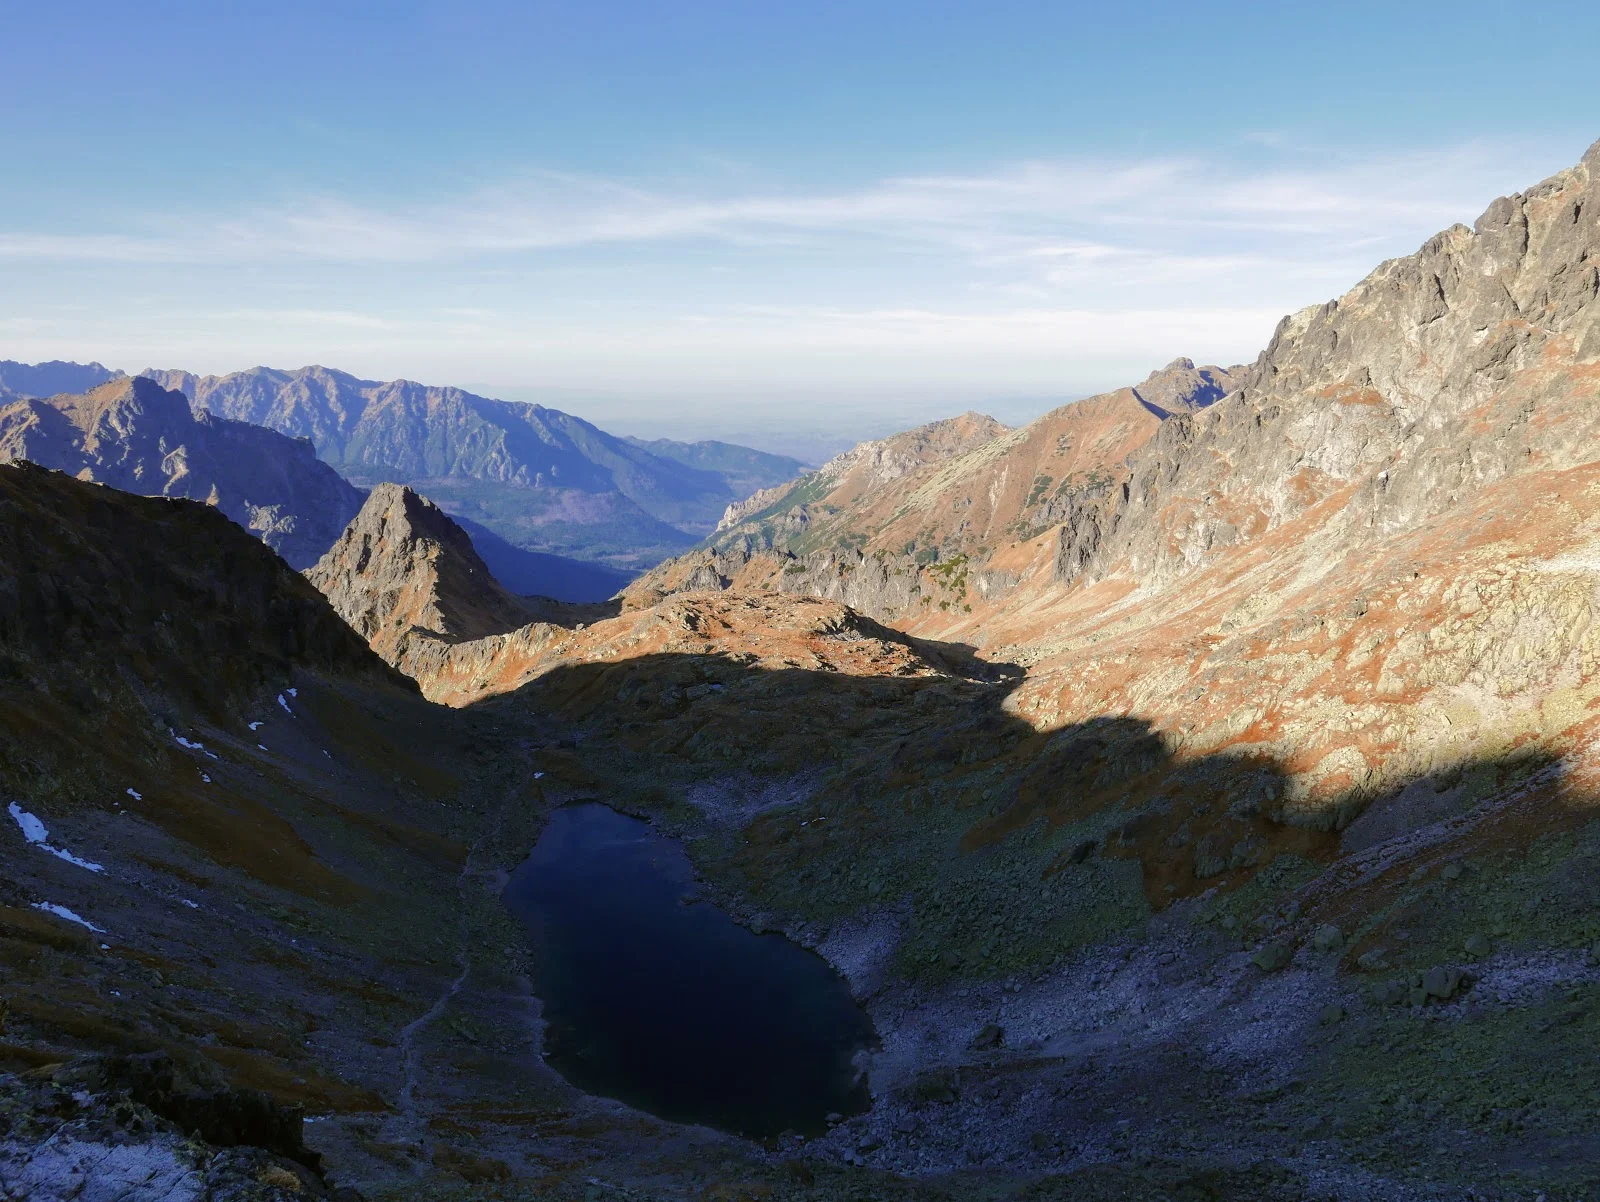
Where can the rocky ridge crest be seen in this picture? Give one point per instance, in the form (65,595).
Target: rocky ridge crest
(1439,373)
(132,434)
(912,528)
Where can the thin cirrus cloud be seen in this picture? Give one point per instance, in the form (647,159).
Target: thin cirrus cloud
(1080,214)
(1043,277)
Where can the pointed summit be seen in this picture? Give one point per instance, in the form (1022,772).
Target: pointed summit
(403,565)
(1181,387)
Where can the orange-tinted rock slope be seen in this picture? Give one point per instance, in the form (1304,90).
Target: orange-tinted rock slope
(1215,773)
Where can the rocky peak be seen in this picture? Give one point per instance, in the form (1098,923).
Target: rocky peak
(135,435)
(1181,387)
(129,407)
(403,565)
(1440,373)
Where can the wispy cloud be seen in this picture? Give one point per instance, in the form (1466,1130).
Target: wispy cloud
(1067,274)
(1077,214)
(313,317)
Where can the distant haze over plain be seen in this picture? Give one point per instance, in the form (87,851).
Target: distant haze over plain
(792,226)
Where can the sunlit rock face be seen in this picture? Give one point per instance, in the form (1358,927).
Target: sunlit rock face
(134,435)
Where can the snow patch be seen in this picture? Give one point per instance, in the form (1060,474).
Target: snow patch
(192,746)
(190,904)
(63,854)
(63,912)
(293,692)
(135,794)
(33,830)
(285,705)
(262,746)
(537,775)
(255,726)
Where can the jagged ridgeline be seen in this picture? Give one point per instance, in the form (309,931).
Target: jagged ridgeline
(1197,786)
(557,507)
(537,478)
(134,435)
(911,527)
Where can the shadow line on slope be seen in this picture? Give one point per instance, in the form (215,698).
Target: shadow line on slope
(829,793)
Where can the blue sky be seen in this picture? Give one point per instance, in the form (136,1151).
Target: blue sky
(752,219)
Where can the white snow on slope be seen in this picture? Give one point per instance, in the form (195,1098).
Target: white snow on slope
(285,705)
(64,854)
(33,830)
(183,742)
(136,795)
(63,912)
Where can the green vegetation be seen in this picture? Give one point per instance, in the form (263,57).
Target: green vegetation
(951,574)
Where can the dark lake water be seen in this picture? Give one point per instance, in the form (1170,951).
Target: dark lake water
(672,1007)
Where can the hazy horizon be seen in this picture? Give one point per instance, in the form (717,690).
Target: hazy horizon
(758,224)
(805,440)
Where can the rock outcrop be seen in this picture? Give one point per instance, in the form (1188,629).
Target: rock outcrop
(905,528)
(1440,373)
(403,567)
(134,435)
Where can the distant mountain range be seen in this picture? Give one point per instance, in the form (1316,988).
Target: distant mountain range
(539,478)
(554,505)
(48,379)
(134,435)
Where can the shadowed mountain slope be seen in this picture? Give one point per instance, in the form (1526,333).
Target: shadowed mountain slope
(97,577)
(1181,387)
(234,874)
(540,574)
(1292,710)
(134,435)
